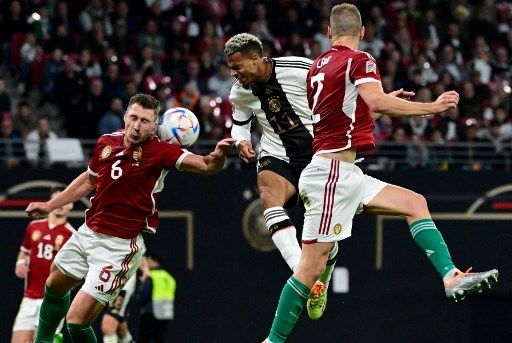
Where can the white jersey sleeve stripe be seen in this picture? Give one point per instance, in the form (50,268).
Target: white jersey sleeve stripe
(365,80)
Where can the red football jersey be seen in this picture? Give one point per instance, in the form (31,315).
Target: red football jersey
(129,181)
(341,119)
(42,244)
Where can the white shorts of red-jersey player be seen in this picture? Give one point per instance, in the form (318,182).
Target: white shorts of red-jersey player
(333,192)
(105,262)
(28,316)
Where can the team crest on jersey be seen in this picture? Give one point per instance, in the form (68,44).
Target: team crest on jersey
(137,155)
(35,235)
(274,105)
(59,239)
(268,91)
(371,67)
(337,229)
(106,152)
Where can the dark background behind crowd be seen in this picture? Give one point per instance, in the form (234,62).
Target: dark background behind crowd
(68,68)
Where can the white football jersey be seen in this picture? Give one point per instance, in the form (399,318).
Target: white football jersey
(281,107)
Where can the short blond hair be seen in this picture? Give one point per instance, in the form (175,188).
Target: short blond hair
(244,43)
(345,20)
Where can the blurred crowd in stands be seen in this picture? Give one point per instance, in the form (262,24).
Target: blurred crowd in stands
(87,58)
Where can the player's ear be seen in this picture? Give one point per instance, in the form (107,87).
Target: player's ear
(329,31)
(361,33)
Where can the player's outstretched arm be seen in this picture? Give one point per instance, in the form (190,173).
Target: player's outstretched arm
(209,164)
(400,93)
(389,104)
(82,185)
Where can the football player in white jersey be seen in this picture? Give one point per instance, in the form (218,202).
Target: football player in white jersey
(274,91)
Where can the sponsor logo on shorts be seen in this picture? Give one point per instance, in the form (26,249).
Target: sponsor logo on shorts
(304,196)
(264,163)
(337,229)
(106,152)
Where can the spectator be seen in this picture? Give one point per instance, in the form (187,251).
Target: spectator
(481,64)
(193,75)
(35,143)
(93,105)
(235,21)
(5,99)
(87,66)
(11,146)
(156,302)
(112,120)
(429,28)
(370,43)
(51,70)
(448,63)
(29,51)
(113,86)
(122,17)
(120,40)
(12,22)
(95,12)
(96,38)
(501,69)
(188,97)
(62,40)
(450,126)
(469,105)
(147,64)
(23,121)
(62,18)
(261,20)
(43,26)
(220,83)
(295,46)
(69,86)
(151,37)
(325,43)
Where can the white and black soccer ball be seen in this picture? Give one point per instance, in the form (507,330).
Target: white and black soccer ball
(178,126)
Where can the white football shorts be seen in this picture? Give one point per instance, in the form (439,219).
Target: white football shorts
(333,192)
(104,261)
(28,316)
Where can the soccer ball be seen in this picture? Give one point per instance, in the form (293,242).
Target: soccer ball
(178,126)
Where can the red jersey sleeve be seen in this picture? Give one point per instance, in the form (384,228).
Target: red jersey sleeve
(364,69)
(173,155)
(93,167)
(27,240)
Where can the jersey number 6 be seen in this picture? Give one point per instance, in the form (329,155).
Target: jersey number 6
(116,171)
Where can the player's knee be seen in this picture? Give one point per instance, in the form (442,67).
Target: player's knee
(418,204)
(268,199)
(107,328)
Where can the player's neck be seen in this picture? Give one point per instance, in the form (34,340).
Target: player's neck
(266,70)
(346,41)
(54,220)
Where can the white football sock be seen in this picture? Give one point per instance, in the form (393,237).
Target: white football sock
(126,339)
(285,239)
(110,338)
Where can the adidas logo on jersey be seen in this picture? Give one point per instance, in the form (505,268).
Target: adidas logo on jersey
(99,288)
